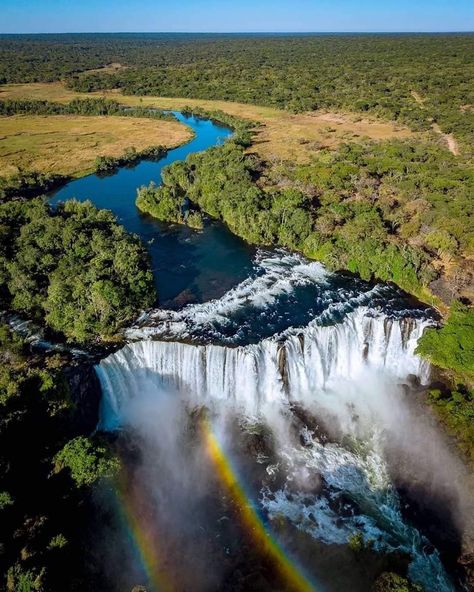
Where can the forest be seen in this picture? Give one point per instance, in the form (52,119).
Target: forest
(47,469)
(86,106)
(76,272)
(377,74)
(353,208)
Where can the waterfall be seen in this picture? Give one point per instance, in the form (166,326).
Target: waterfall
(295,366)
(341,360)
(301,366)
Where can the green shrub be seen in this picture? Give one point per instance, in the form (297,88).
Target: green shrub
(392,582)
(87,461)
(20,579)
(356,542)
(6,500)
(57,542)
(451,346)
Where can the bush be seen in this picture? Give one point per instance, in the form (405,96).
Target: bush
(5,500)
(23,580)
(87,461)
(356,542)
(451,347)
(391,582)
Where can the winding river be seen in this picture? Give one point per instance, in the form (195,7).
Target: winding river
(306,377)
(188,266)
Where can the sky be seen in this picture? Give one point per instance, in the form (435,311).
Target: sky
(59,16)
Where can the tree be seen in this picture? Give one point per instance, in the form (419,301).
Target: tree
(86,460)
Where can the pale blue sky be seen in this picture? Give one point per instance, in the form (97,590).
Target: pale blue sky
(48,16)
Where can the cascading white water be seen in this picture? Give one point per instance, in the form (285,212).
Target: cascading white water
(296,366)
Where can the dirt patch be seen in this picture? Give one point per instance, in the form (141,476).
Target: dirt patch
(418,98)
(108,69)
(297,137)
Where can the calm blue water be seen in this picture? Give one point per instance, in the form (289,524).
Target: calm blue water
(188,266)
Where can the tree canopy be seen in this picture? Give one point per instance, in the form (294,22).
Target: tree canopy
(73,267)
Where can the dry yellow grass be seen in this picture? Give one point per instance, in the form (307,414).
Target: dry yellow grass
(281,135)
(69,144)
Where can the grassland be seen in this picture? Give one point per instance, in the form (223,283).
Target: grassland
(282,135)
(68,144)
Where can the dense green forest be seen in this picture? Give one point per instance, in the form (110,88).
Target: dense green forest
(47,468)
(397,211)
(73,268)
(29,184)
(87,106)
(367,73)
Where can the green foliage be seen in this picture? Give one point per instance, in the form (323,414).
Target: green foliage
(39,513)
(392,582)
(195,220)
(28,184)
(57,542)
(452,346)
(96,106)
(105,164)
(456,410)
(356,542)
(87,461)
(367,73)
(6,500)
(340,208)
(242,127)
(162,203)
(12,365)
(74,267)
(23,580)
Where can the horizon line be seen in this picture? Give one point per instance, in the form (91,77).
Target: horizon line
(374,32)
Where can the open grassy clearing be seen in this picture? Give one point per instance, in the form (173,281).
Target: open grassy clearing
(68,144)
(281,136)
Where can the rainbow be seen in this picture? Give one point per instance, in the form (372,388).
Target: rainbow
(141,524)
(266,543)
(142,531)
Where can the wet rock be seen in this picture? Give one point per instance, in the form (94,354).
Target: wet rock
(85,394)
(302,418)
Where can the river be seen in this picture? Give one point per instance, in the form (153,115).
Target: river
(187,265)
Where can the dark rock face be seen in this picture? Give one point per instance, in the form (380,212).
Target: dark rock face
(466,561)
(85,393)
